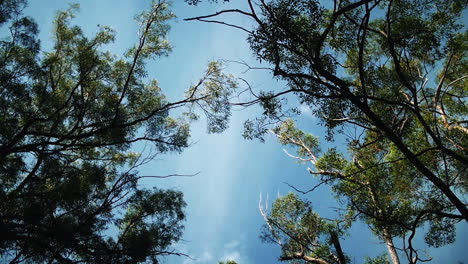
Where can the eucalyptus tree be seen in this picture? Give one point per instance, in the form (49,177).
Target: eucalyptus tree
(387,194)
(301,233)
(394,72)
(395,69)
(69,191)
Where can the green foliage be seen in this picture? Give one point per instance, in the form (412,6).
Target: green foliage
(69,118)
(306,144)
(375,183)
(213,93)
(372,65)
(299,231)
(228,262)
(394,72)
(382,259)
(441,232)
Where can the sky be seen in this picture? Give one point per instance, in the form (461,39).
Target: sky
(223,219)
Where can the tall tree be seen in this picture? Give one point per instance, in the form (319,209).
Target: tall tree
(69,190)
(394,72)
(396,69)
(386,193)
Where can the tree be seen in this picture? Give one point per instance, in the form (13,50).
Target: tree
(387,195)
(70,117)
(396,69)
(395,73)
(301,233)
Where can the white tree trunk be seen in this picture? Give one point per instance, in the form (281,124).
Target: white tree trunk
(390,246)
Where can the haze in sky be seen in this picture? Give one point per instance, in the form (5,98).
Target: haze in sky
(223,219)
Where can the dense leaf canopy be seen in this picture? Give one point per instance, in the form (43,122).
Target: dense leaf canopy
(69,190)
(395,72)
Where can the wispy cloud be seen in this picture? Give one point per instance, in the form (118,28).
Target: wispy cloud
(234,255)
(232,244)
(232,251)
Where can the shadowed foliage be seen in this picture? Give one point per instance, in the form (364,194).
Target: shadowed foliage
(69,190)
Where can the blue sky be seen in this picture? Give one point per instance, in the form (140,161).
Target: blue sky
(223,220)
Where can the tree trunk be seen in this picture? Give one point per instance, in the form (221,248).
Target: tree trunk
(337,245)
(391,248)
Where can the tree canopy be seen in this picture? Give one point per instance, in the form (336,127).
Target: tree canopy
(69,190)
(360,63)
(392,71)
(302,234)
